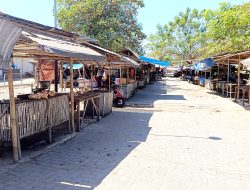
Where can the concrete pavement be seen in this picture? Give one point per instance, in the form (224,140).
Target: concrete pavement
(172,135)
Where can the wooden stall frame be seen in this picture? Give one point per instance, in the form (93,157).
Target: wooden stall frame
(13,122)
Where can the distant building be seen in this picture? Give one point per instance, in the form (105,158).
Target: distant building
(25,66)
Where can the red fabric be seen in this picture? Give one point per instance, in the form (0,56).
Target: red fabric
(46,71)
(132,73)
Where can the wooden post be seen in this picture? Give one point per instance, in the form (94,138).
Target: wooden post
(109,77)
(72,97)
(127,71)
(238,92)
(84,76)
(135,73)
(61,77)
(218,70)
(37,72)
(228,70)
(21,70)
(91,72)
(13,122)
(120,79)
(56,75)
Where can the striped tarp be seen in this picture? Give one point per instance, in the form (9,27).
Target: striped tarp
(9,34)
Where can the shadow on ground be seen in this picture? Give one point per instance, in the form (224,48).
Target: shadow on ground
(84,161)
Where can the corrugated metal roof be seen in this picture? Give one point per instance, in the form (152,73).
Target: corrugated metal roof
(64,48)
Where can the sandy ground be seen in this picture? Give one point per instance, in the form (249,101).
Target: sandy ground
(171,135)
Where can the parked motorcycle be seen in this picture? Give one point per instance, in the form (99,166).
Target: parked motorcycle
(118,99)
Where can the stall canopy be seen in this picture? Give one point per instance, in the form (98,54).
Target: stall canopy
(204,64)
(155,62)
(59,47)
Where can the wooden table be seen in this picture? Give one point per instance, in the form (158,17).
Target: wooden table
(87,99)
(244,89)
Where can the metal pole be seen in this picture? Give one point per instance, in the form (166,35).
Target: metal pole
(55,14)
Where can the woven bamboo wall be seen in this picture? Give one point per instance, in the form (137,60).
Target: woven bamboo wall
(34,116)
(5,131)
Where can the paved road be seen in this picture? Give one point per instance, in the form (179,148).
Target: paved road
(172,135)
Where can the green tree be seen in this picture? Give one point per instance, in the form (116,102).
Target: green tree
(112,22)
(181,39)
(228,29)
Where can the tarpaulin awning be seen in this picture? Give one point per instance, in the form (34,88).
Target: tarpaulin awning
(204,64)
(64,48)
(9,33)
(75,65)
(155,62)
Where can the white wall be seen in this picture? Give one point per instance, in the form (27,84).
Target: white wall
(27,66)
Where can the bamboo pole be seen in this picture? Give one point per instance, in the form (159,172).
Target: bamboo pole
(72,97)
(13,122)
(238,92)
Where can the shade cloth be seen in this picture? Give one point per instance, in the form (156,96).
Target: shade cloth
(9,34)
(75,65)
(154,61)
(204,64)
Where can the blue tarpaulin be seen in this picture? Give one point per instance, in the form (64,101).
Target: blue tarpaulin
(75,65)
(155,62)
(204,64)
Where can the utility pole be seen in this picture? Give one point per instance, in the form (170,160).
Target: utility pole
(55,14)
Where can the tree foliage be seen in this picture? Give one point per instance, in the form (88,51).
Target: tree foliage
(228,29)
(112,22)
(196,35)
(180,39)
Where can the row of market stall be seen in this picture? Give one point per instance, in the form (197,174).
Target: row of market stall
(226,74)
(84,71)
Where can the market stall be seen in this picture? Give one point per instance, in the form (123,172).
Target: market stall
(237,76)
(39,110)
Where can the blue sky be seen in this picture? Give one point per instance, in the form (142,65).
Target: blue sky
(155,11)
